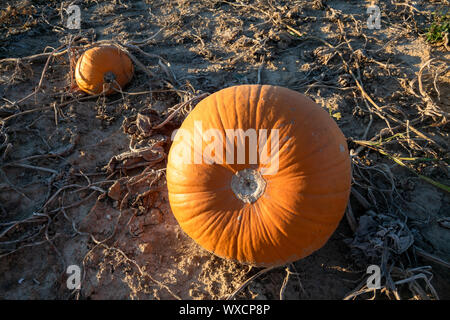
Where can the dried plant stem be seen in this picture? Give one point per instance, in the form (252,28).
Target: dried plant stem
(141,272)
(13,116)
(361,199)
(431,257)
(41,80)
(178,108)
(247,282)
(27,166)
(365,95)
(351,218)
(284,284)
(35,56)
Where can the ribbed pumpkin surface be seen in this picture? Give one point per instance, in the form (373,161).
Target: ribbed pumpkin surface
(302,202)
(97,62)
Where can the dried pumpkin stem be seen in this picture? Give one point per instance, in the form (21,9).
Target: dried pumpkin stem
(248,185)
(109,77)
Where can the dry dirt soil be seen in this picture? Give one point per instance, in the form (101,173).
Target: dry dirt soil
(70,194)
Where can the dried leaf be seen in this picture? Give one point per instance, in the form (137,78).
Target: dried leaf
(115,191)
(144,124)
(444,222)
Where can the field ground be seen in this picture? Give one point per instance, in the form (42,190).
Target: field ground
(61,203)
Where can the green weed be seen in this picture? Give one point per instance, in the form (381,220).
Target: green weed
(439,27)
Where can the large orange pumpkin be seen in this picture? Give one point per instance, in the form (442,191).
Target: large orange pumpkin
(103,66)
(259,212)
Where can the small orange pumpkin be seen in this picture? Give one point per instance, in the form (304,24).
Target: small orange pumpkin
(249,210)
(103,66)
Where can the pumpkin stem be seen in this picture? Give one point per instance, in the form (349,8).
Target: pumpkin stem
(248,185)
(109,77)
